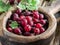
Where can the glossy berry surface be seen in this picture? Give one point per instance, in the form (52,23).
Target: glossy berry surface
(24,22)
(31,23)
(18,11)
(35,20)
(38,25)
(27,28)
(36,14)
(15,16)
(41,16)
(22,17)
(42,30)
(43,22)
(37,31)
(27,13)
(17,31)
(29,18)
(27,23)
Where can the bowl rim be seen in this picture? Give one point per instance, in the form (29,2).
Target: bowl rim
(44,35)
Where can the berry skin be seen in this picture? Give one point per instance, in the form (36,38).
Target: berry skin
(34,25)
(15,16)
(9,29)
(27,13)
(22,17)
(31,23)
(29,18)
(42,30)
(38,25)
(11,2)
(18,11)
(36,31)
(27,28)
(43,22)
(35,20)
(41,16)
(17,31)
(36,14)
(24,22)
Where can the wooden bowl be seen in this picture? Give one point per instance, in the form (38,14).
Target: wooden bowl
(26,39)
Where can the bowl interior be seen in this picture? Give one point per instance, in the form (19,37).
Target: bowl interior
(46,34)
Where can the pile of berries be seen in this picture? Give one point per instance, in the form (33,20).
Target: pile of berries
(29,22)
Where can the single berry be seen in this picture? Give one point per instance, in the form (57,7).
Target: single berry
(27,28)
(24,22)
(27,13)
(38,25)
(42,30)
(9,29)
(17,31)
(18,11)
(36,31)
(15,16)
(43,22)
(41,16)
(22,17)
(31,23)
(36,14)
(29,18)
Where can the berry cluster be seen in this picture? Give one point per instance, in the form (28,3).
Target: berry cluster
(29,22)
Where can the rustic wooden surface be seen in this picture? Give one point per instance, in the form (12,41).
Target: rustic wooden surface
(55,40)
